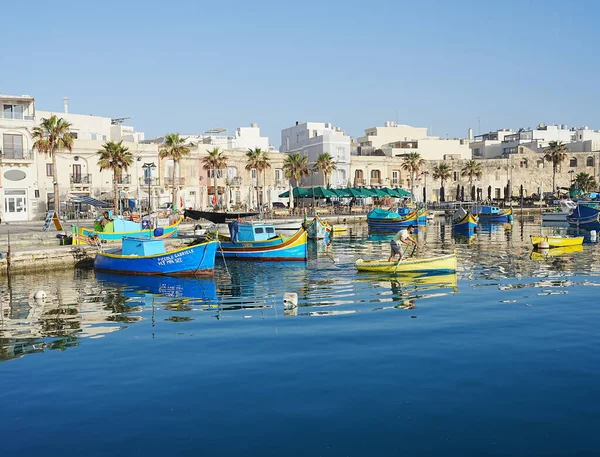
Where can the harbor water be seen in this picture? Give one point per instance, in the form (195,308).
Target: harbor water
(498,359)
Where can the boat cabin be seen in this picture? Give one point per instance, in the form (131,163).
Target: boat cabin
(250,231)
(486,210)
(108,223)
(136,246)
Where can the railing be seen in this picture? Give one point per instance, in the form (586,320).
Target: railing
(149,181)
(16,116)
(124,179)
(282,183)
(375,181)
(81,179)
(178,181)
(235,181)
(359,181)
(17,154)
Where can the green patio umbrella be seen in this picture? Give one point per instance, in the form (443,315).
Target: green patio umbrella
(403,193)
(297,192)
(342,193)
(390,192)
(379,193)
(368,192)
(320,192)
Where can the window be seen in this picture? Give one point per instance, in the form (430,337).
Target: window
(258,230)
(278,174)
(74,135)
(573,162)
(455,176)
(589,162)
(13,146)
(497,192)
(238,196)
(358,174)
(375,174)
(395,177)
(50,201)
(49,170)
(211,173)
(13,111)
(270,230)
(315,134)
(540,163)
(297,138)
(253,173)
(103,137)
(477,152)
(523,163)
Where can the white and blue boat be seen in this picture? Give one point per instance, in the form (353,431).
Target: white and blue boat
(585,215)
(492,214)
(258,241)
(148,256)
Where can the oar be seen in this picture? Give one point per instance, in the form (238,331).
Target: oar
(400,259)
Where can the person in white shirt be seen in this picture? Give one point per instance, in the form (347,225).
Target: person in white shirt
(400,238)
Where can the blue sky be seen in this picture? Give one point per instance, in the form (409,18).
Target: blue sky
(187,66)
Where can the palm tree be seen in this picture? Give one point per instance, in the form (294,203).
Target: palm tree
(443,172)
(50,137)
(471,169)
(585,182)
(116,157)
(555,153)
(258,160)
(295,166)
(325,164)
(175,149)
(215,160)
(412,163)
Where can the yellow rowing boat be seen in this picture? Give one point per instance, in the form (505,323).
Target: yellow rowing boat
(557,241)
(443,263)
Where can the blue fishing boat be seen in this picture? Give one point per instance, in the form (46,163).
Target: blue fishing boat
(381,219)
(117,228)
(585,215)
(257,241)
(464,220)
(492,214)
(148,256)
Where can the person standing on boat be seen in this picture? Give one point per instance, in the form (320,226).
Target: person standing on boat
(400,238)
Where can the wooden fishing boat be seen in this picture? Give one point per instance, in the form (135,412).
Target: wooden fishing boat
(559,214)
(119,228)
(585,215)
(492,214)
(557,241)
(148,256)
(464,220)
(381,219)
(257,241)
(444,263)
(337,228)
(555,252)
(318,230)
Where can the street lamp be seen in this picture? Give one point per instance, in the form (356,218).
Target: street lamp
(148,167)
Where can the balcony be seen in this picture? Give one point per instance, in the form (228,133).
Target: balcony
(178,181)
(235,181)
(359,182)
(18,116)
(126,180)
(282,183)
(82,180)
(146,181)
(376,182)
(17,154)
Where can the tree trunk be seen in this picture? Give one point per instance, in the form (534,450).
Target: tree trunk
(175,187)
(553,178)
(257,189)
(55,184)
(215,184)
(116,191)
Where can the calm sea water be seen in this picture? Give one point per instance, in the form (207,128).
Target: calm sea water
(500,359)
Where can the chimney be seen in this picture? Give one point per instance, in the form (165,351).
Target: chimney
(66,103)
(470,136)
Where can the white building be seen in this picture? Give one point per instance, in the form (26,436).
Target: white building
(396,140)
(244,138)
(489,145)
(313,138)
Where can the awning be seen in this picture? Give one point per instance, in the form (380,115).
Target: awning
(298,192)
(89,201)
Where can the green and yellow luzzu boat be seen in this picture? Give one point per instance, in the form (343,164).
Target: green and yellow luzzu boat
(119,228)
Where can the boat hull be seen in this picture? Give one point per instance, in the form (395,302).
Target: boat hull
(557,216)
(584,216)
(557,241)
(293,248)
(555,252)
(441,264)
(395,223)
(197,260)
(86,234)
(317,230)
(467,222)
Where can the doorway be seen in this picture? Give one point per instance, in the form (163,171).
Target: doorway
(15,205)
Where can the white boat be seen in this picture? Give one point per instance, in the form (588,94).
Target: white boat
(293,226)
(559,214)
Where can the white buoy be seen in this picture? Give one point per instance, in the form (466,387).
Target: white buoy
(543,245)
(593,235)
(290,300)
(40,294)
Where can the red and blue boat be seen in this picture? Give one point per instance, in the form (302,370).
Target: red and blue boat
(148,256)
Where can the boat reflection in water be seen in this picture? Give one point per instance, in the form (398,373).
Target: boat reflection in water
(545,254)
(404,289)
(463,236)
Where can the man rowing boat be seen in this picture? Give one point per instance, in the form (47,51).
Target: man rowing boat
(400,238)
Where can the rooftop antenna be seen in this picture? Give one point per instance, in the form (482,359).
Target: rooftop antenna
(478,126)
